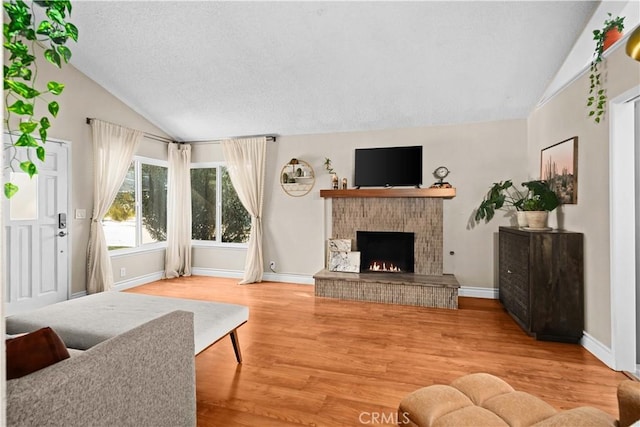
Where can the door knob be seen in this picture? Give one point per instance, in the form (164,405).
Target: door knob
(62,234)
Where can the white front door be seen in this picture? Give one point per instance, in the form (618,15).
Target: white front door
(36,231)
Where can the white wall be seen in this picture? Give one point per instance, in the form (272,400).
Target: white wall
(563,117)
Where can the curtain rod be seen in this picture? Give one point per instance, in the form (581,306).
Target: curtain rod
(270,138)
(146,134)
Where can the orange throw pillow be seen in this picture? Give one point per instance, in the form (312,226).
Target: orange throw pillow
(34,351)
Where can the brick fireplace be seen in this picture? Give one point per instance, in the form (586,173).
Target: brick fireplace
(417,211)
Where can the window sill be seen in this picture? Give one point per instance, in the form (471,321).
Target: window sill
(205,244)
(151,247)
(156,247)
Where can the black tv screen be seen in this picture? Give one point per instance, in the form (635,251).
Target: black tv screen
(388,167)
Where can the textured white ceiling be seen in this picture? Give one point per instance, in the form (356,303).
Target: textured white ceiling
(204,70)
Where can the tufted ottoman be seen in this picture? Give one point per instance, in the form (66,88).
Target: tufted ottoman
(485,400)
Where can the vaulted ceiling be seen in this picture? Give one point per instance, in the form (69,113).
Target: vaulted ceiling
(204,70)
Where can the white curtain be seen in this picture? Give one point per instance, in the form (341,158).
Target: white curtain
(178,255)
(113,149)
(246,165)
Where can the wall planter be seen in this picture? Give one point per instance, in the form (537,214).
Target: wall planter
(604,38)
(610,37)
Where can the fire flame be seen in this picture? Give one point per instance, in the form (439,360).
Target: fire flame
(382,266)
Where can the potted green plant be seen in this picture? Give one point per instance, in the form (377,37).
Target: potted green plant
(23,30)
(332,173)
(611,31)
(542,200)
(502,195)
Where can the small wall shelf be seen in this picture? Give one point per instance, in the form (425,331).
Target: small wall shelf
(445,193)
(297,178)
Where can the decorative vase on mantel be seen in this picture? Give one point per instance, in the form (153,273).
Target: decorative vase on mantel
(334,181)
(537,220)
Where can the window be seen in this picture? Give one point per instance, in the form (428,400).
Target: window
(217,213)
(138,215)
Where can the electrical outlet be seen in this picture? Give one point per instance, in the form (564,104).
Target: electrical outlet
(123,272)
(272,266)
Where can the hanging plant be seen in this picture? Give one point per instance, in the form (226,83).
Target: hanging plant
(597,99)
(21,34)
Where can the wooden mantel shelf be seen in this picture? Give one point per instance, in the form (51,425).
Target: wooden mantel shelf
(445,193)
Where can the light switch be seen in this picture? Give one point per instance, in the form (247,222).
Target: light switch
(81,213)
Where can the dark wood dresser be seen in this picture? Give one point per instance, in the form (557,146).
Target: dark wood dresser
(541,281)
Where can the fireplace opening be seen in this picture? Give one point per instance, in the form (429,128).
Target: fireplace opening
(386,251)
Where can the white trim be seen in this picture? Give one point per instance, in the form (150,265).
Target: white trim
(598,349)
(215,244)
(137,281)
(151,161)
(146,248)
(215,272)
(622,255)
(301,279)
(69,211)
(78,294)
(475,292)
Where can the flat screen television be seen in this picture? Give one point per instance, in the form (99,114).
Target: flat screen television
(388,167)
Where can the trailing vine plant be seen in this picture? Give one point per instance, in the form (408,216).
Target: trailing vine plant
(21,34)
(597,94)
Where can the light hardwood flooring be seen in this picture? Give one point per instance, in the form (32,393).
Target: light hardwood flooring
(325,362)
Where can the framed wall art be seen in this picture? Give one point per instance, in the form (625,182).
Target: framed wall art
(559,167)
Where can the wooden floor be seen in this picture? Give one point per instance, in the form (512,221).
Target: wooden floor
(324,362)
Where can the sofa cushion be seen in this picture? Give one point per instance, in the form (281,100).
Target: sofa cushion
(424,406)
(584,416)
(34,351)
(471,416)
(481,386)
(519,409)
(629,402)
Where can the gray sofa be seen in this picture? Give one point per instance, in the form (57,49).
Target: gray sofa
(142,377)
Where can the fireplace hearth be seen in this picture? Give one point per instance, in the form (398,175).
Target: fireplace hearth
(386,251)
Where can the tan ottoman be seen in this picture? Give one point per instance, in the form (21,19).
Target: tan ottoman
(486,400)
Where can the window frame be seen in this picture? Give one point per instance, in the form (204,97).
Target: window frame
(137,173)
(218,242)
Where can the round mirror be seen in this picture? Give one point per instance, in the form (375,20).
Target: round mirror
(297,178)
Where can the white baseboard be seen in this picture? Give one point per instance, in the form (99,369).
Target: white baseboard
(78,294)
(301,279)
(215,272)
(271,277)
(474,292)
(137,281)
(599,350)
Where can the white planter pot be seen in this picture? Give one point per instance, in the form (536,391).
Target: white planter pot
(537,219)
(521,216)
